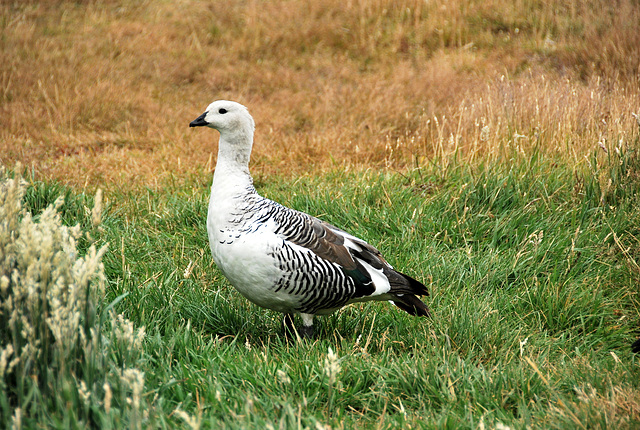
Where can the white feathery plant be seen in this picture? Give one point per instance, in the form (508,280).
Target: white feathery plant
(331,369)
(57,342)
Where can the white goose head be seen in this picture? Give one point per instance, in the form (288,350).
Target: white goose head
(225,115)
(236,127)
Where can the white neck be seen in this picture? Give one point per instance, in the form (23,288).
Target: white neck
(232,168)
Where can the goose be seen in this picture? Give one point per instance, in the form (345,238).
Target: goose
(283,259)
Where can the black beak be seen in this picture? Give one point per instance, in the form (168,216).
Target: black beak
(199,122)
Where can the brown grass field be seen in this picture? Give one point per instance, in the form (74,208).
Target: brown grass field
(101,92)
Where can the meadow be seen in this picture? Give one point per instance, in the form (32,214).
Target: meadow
(489,149)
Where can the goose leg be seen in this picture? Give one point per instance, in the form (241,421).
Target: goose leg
(306,330)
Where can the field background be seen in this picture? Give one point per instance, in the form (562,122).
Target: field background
(489,148)
(101,92)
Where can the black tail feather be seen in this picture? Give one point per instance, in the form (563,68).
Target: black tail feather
(404,292)
(417,287)
(411,305)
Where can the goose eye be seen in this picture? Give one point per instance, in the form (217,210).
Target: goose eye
(222,110)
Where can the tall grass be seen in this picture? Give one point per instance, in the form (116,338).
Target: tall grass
(532,265)
(532,274)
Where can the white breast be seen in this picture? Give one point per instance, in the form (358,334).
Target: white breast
(244,255)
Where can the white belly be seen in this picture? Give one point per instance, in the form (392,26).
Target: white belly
(245,259)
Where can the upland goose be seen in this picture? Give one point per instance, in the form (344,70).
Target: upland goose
(283,259)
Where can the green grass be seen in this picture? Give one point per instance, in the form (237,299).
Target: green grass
(533,272)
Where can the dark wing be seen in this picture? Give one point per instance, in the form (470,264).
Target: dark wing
(349,252)
(403,288)
(334,245)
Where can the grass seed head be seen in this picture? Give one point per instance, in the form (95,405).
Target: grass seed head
(331,366)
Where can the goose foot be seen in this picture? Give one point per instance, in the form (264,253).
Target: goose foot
(305,331)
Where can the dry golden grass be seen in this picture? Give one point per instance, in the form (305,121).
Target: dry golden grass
(102,91)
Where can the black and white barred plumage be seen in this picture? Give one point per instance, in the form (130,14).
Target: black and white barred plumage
(283,259)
